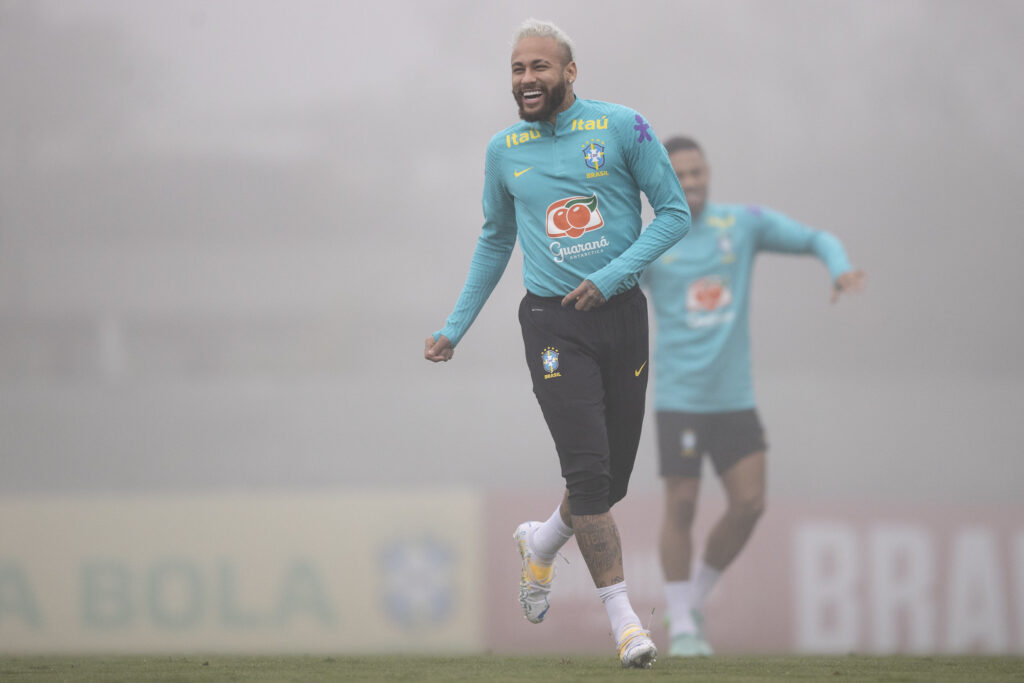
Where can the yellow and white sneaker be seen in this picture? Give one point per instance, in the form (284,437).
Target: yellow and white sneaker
(535,583)
(636,649)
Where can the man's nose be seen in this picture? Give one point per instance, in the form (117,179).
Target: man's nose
(529,76)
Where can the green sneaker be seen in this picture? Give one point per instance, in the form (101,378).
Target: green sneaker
(691,644)
(702,636)
(685,645)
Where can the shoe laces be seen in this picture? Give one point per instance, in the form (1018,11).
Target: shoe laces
(634,632)
(649,620)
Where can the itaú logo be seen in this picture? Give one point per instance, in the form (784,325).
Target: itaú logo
(573,216)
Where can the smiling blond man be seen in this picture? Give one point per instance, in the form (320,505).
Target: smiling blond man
(566,182)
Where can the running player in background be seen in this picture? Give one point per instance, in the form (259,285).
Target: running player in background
(566,181)
(704,394)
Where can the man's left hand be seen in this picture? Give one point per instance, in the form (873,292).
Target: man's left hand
(850,281)
(587,297)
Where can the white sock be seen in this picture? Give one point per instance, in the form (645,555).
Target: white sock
(704,579)
(549,538)
(620,612)
(677,598)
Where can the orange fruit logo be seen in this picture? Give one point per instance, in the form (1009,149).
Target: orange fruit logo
(573,216)
(708,294)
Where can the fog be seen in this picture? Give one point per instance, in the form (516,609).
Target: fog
(226,229)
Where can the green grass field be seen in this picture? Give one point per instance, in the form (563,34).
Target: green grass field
(550,669)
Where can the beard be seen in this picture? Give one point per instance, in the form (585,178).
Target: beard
(697,206)
(696,209)
(552,101)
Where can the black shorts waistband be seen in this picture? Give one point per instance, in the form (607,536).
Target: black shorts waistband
(620,298)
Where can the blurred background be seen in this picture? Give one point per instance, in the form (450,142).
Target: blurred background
(226,228)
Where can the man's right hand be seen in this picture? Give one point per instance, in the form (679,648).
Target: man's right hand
(438,349)
(586,297)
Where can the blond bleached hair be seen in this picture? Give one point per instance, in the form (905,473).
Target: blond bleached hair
(535,28)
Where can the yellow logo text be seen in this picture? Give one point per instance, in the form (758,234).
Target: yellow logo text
(590,124)
(522,138)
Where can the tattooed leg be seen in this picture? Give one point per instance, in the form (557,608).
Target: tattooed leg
(598,539)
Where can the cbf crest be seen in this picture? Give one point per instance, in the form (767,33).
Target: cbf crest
(593,155)
(725,246)
(688,443)
(594,158)
(549,359)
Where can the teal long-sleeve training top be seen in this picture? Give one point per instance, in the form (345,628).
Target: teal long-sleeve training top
(570,193)
(700,293)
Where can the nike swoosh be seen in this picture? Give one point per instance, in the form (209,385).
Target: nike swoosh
(519,173)
(636,373)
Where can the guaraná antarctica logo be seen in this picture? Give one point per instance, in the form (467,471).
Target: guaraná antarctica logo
(573,216)
(708,294)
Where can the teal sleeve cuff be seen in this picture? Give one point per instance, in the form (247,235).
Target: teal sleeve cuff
(830,250)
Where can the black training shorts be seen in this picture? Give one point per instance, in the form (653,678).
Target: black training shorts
(726,438)
(589,371)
